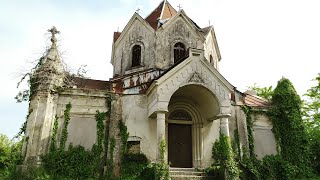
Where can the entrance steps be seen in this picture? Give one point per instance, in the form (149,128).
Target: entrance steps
(187,174)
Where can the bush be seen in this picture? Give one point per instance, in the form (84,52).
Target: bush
(132,165)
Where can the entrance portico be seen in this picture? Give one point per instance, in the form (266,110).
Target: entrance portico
(186,103)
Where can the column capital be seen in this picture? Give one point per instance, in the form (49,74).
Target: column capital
(224,115)
(161,111)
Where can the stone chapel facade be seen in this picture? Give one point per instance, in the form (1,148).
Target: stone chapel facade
(167,85)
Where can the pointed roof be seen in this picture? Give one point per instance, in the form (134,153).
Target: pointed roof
(162,12)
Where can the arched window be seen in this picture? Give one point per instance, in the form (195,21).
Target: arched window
(136,55)
(211,60)
(180,115)
(179,52)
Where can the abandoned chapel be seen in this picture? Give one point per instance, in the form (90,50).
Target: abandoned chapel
(166,86)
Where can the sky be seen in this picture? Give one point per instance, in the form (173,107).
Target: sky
(260,41)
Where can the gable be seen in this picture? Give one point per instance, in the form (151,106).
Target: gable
(193,70)
(181,20)
(136,20)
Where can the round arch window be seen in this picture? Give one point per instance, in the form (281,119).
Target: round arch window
(180,115)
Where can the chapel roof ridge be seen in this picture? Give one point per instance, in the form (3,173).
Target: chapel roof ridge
(163,11)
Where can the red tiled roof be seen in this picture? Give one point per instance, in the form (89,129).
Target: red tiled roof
(163,11)
(116,36)
(256,101)
(91,84)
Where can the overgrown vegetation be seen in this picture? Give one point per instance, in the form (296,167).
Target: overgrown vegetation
(298,139)
(10,157)
(224,166)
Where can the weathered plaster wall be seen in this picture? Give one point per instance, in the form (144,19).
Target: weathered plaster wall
(210,133)
(177,30)
(264,140)
(82,127)
(136,118)
(210,49)
(137,34)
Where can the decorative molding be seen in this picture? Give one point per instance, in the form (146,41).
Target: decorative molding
(196,78)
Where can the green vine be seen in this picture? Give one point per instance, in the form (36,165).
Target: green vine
(124,136)
(248,112)
(53,145)
(224,165)
(100,117)
(64,134)
(288,127)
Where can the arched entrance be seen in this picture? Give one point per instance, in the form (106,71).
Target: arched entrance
(190,109)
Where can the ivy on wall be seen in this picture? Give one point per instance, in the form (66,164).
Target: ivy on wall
(64,134)
(224,165)
(288,127)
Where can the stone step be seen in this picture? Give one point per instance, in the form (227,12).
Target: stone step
(184,177)
(186,169)
(187,173)
(190,173)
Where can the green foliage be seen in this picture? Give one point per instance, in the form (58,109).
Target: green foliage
(132,165)
(159,170)
(288,127)
(124,136)
(265,92)
(311,111)
(248,112)
(53,145)
(223,157)
(100,118)
(64,134)
(10,156)
(276,167)
(75,163)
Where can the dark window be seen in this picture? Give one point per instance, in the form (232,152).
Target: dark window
(211,60)
(179,52)
(180,115)
(134,147)
(136,55)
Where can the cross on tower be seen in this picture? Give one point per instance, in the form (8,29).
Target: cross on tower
(179,7)
(53,32)
(137,11)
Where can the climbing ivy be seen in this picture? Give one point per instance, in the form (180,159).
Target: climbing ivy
(64,134)
(53,145)
(248,112)
(224,163)
(100,117)
(288,127)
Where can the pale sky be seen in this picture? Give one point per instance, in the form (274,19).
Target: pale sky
(260,40)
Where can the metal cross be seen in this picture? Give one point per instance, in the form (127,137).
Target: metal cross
(53,31)
(179,7)
(137,11)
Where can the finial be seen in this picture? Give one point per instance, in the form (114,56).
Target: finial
(138,9)
(53,31)
(179,7)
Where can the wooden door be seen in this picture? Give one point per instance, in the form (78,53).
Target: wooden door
(180,145)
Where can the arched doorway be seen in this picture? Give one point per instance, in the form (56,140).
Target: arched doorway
(180,138)
(190,109)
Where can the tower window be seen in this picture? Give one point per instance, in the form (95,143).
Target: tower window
(179,52)
(136,55)
(211,60)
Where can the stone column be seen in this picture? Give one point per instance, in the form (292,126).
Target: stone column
(224,124)
(161,131)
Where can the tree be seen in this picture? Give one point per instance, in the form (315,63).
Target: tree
(10,153)
(265,92)
(312,120)
(289,127)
